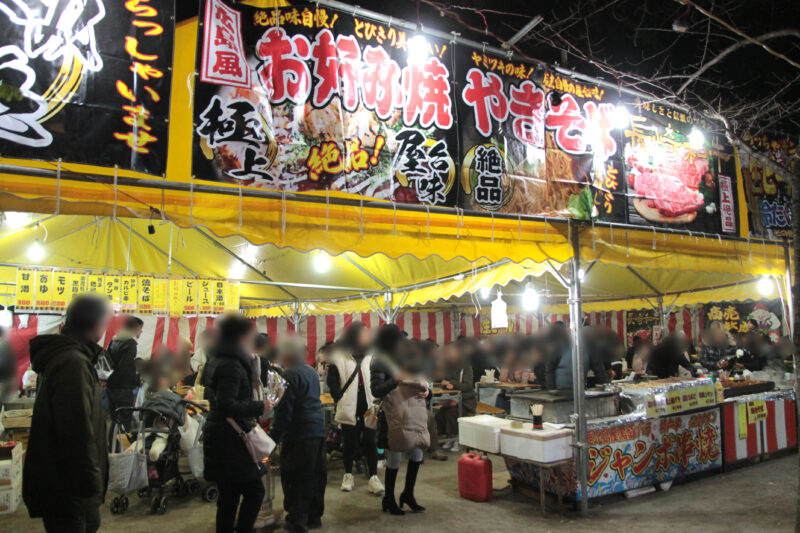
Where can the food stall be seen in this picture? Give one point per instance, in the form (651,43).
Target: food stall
(300,220)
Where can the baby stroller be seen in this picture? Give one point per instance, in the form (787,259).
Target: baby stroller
(159,421)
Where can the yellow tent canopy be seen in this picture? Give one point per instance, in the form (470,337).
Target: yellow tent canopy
(280,280)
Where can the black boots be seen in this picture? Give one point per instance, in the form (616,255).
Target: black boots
(388,503)
(407,496)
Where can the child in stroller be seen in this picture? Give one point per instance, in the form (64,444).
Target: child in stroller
(161,419)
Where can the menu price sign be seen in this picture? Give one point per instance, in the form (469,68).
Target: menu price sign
(61,290)
(44,289)
(25,287)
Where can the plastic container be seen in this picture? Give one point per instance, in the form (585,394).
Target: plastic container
(475,477)
(481,432)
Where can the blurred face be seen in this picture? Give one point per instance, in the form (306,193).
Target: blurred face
(451,354)
(364,338)
(248,341)
(99,330)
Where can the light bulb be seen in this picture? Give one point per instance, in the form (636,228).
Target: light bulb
(6,319)
(418,49)
(36,252)
(696,139)
(458,277)
(15,219)
(621,117)
(322,262)
(581,275)
(486,292)
(530,299)
(765,286)
(237,270)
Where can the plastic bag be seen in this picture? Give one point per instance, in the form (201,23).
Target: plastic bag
(275,387)
(195,455)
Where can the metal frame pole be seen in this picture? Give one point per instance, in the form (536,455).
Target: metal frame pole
(578,375)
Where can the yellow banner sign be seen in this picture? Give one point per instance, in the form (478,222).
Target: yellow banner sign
(61,290)
(189,297)
(127,293)
(145,295)
(205,296)
(77,284)
(175,297)
(220,290)
(25,286)
(160,296)
(94,283)
(232,296)
(44,289)
(111,289)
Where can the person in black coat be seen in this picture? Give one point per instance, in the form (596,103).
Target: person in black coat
(122,382)
(668,357)
(299,427)
(65,474)
(229,377)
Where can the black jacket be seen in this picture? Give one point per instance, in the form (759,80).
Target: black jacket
(121,353)
(66,465)
(229,376)
(299,413)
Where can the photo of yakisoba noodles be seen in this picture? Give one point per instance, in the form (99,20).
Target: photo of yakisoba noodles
(543,188)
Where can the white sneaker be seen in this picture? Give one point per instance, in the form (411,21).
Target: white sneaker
(447,445)
(456,448)
(375,486)
(348,482)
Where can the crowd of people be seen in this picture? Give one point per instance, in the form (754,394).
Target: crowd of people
(380,380)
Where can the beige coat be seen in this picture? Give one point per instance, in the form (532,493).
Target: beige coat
(406,418)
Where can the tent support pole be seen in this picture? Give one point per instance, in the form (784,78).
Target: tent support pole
(578,375)
(169,252)
(662,316)
(787,280)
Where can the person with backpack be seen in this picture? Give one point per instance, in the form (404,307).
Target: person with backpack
(124,378)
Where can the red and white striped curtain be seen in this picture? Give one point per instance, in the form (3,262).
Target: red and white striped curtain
(440,326)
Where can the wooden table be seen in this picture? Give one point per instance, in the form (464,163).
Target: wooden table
(486,409)
(326,399)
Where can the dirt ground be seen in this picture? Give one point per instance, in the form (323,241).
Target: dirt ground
(758,498)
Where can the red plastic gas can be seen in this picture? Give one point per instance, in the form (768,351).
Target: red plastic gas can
(475,477)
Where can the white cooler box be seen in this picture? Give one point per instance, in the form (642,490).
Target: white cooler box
(540,445)
(481,432)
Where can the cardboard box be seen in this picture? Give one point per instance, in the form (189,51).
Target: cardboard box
(17,419)
(10,498)
(10,464)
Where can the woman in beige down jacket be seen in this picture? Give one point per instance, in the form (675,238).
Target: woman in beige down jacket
(398,380)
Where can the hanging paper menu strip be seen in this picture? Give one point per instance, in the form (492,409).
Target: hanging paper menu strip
(160,296)
(175,297)
(77,284)
(220,290)
(232,296)
(190,297)
(205,296)
(145,295)
(95,283)
(25,286)
(44,289)
(111,284)
(61,290)
(127,293)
